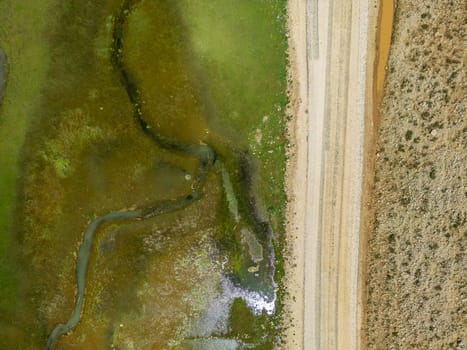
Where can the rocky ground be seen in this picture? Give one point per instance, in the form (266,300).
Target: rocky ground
(416,263)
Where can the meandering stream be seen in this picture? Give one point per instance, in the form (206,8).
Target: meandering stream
(206,156)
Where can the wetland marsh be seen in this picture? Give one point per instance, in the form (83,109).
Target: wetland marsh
(143,156)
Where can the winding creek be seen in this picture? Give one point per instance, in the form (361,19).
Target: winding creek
(208,160)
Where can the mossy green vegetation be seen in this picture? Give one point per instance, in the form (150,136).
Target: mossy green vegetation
(23,37)
(211,74)
(239,48)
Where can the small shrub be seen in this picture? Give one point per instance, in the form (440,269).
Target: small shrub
(408,135)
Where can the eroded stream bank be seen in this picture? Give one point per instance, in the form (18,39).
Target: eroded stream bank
(191,273)
(383,45)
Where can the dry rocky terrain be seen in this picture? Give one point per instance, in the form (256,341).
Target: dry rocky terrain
(416,255)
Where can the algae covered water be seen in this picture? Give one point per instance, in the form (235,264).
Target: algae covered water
(143,157)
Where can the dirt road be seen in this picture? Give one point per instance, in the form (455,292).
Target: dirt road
(334,73)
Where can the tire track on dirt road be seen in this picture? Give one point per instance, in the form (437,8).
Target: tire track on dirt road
(336,105)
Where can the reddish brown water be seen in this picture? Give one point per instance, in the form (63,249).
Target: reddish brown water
(385,22)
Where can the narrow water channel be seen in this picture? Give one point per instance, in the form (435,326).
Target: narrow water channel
(385,23)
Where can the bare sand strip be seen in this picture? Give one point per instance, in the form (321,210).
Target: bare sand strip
(296,172)
(326,220)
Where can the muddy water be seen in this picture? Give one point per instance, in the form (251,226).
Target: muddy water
(385,21)
(135,108)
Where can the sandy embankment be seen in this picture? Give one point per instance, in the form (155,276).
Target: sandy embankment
(380,22)
(296,172)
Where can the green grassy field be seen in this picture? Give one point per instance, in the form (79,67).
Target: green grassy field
(239,49)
